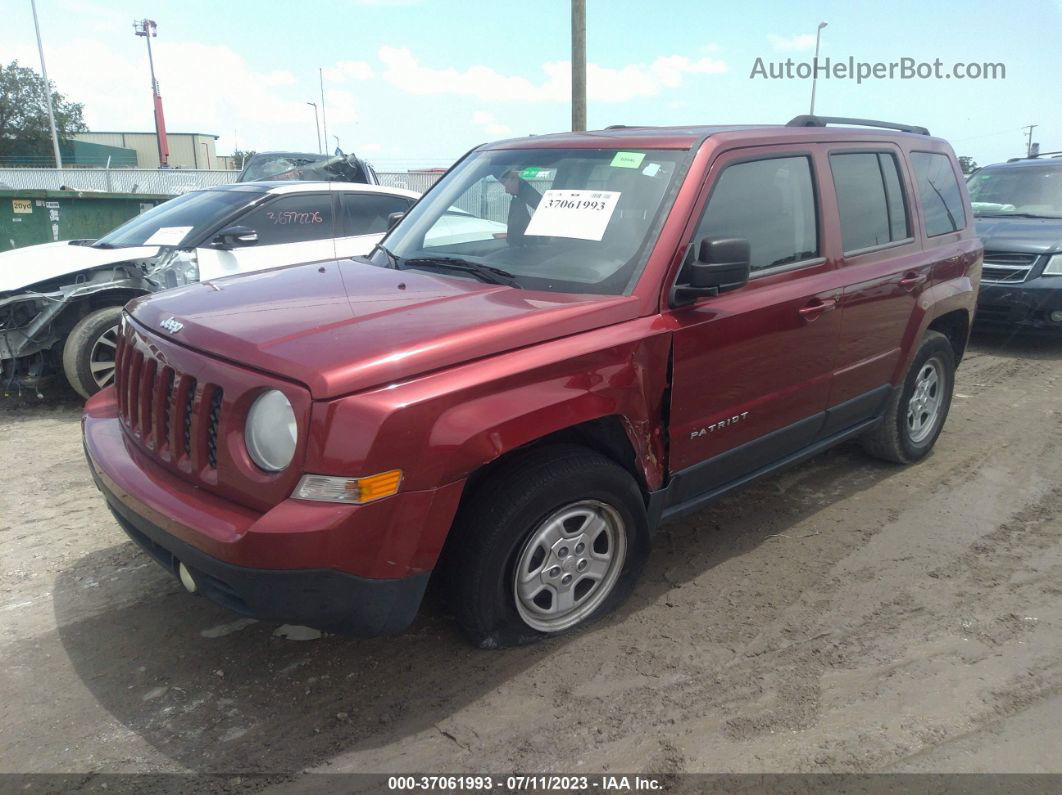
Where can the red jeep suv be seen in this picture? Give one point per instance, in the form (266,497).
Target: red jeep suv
(569,340)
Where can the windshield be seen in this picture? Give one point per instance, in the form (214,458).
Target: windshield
(1021,190)
(178,220)
(567,220)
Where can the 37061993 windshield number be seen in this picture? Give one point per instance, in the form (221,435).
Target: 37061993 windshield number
(576,204)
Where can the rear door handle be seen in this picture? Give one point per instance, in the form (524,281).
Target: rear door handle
(912,280)
(816,307)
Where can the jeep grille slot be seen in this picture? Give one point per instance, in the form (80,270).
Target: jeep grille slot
(212,426)
(186,415)
(164,401)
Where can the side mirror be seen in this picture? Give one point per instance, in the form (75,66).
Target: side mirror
(722,264)
(393,219)
(236,237)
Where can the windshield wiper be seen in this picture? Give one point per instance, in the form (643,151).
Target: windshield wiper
(487,273)
(392,258)
(1015,215)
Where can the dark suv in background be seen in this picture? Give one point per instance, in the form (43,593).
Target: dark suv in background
(1018,208)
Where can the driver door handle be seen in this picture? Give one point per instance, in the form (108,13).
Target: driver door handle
(816,307)
(912,280)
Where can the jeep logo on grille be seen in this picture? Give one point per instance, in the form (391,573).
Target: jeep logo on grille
(172,325)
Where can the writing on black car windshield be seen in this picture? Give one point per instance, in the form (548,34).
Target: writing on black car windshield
(1024,191)
(578,221)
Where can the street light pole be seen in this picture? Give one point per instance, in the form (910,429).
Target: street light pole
(578,65)
(47,89)
(317,124)
(324,114)
(815,65)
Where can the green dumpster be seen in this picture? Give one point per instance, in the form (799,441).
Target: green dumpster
(29,217)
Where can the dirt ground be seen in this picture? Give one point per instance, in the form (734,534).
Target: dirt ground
(846,615)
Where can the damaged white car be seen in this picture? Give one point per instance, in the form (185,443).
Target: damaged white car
(60,303)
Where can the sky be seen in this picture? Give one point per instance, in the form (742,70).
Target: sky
(413,83)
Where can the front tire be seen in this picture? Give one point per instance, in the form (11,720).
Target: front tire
(88,355)
(552,541)
(916,413)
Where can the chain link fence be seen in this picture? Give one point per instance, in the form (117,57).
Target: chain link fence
(165,182)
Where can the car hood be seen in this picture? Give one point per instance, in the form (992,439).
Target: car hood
(1021,235)
(22,267)
(347,325)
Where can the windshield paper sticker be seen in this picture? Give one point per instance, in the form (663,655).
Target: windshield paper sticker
(581,214)
(168,236)
(628,159)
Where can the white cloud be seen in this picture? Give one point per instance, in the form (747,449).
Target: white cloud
(343,71)
(486,121)
(340,106)
(205,88)
(604,84)
(801,41)
(279,77)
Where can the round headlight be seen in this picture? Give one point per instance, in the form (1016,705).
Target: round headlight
(271,433)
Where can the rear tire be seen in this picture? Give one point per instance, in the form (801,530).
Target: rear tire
(88,355)
(552,541)
(916,413)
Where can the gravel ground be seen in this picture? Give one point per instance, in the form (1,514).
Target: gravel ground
(846,615)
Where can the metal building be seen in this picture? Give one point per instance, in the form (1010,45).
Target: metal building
(187,150)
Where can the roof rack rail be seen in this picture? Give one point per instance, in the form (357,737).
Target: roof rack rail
(1037,156)
(821,121)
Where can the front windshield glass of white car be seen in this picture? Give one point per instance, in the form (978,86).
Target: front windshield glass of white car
(176,221)
(1022,191)
(566,220)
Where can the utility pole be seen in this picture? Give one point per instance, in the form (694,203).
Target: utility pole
(47,89)
(317,124)
(815,65)
(1028,140)
(324,115)
(578,65)
(148,29)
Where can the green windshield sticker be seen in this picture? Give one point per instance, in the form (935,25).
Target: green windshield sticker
(530,172)
(628,159)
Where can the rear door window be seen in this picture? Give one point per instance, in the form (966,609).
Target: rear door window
(770,203)
(292,219)
(938,191)
(366,213)
(870,199)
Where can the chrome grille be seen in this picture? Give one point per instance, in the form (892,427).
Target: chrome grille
(1003,267)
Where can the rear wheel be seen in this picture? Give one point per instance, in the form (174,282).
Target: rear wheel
(552,541)
(916,413)
(88,355)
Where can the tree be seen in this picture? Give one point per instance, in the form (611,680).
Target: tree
(240,157)
(967,164)
(24,128)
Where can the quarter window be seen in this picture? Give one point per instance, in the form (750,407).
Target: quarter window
(770,203)
(869,199)
(938,190)
(292,219)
